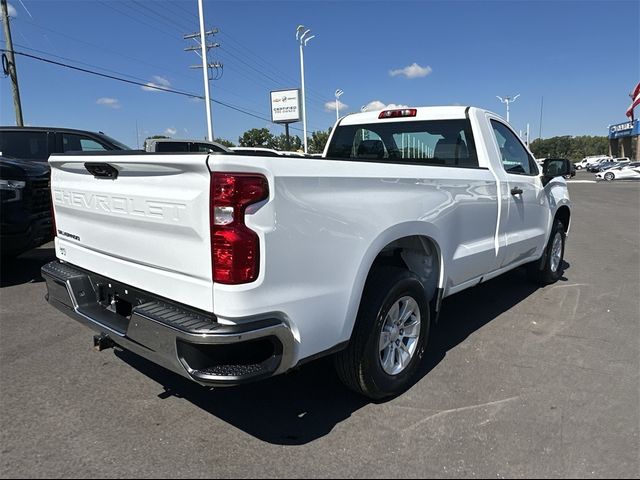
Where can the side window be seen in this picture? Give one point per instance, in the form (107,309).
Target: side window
(25,145)
(515,158)
(77,143)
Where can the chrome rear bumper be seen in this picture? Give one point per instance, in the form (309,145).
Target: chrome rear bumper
(188,342)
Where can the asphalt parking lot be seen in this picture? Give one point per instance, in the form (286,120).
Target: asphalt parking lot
(519,382)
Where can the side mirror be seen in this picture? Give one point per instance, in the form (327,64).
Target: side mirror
(555,167)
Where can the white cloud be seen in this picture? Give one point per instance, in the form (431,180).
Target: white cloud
(12,10)
(331,106)
(158,82)
(412,71)
(109,102)
(170,131)
(378,105)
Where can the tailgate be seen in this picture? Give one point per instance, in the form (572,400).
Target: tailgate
(148,228)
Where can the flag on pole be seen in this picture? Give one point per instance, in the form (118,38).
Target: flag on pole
(635,101)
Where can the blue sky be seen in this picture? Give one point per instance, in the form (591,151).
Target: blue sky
(582,57)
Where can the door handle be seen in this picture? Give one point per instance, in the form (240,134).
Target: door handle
(516,191)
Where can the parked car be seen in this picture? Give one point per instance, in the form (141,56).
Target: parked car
(230,269)
(595,166)
(262,151)
(25,206)
(24,180)
(171,145)
(37,143)
(587,161)
(620,172)
(601,167)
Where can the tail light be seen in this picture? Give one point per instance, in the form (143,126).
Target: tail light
(235,248)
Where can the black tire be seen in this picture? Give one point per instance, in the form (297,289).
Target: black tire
(542,271)
(359,366)
(609,176)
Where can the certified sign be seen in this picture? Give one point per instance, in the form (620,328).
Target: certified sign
(285,106)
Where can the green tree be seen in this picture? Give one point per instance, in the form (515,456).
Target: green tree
(225,142)
(573,148)
(256,137)
(318,141)
(280,143)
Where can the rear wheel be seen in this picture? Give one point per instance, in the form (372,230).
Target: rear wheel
(389,337)
(609,176)
(549,268)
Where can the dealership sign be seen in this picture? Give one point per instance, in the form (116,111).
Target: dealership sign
(627,129)
(285,106)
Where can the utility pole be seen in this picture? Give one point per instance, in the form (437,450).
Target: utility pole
(203,48)
(508,100)
(9,64)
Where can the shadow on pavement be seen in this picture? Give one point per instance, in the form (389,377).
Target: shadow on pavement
(302,406)
(26,267)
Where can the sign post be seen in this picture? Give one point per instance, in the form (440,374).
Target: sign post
(285,108)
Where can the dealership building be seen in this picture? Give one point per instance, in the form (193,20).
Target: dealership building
(622,136)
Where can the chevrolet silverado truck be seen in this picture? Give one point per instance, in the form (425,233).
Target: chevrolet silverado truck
(227,269)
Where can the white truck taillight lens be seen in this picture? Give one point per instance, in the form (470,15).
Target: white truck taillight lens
(235,249)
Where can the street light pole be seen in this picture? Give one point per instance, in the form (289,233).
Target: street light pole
(338,95)
(508,100)
(301,36)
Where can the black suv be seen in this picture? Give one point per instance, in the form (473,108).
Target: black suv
(25,197)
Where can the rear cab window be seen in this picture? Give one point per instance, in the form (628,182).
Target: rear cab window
(428,142)
(25,145)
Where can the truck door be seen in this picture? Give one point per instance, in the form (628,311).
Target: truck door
(527,205)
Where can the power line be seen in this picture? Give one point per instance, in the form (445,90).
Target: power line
(179,5)
(152,15)
(112,77)
(141,84)
(79,62)
(254,79)
(321,98)
(135,19)
(94,45)
(242,97)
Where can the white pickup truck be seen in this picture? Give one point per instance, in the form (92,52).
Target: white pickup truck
(228,268)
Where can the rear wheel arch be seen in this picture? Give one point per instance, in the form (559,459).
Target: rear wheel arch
(419,254)
(389,250)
